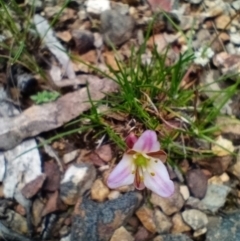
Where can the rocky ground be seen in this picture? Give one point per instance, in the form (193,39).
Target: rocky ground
(58,191)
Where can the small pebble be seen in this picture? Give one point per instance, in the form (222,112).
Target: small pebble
(162,222)
(99,191)
(77,179)
(122,234)
(114,195)
(235,38)
(171,204)
(68,157)
(224,177)
(96,6)
(195,218)
(145,215)
(185,192)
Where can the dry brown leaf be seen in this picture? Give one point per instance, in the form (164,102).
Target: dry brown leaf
(165,5)
(159,41)
(110,60)
(89,57)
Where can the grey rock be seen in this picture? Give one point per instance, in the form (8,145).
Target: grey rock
(77,179)
(215,197)
(120,7)
(195,218)
(116,28)
(97,222)
(84,40)
(172,237)
(162,222)
(226,228)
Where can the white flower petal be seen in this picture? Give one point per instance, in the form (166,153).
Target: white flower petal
(156,178)
(122,173)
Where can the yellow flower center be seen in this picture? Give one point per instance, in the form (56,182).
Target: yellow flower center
(140,160)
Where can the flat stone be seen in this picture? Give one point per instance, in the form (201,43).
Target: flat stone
(224,228)
(171,204)
(215,197)
(122,234)
(162,222)
(116,28)
(98,221)
(195,218)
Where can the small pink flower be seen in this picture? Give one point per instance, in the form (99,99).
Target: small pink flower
(143,166)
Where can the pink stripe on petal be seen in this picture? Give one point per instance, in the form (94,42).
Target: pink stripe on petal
(160,183)
(122,173)
(147,142)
